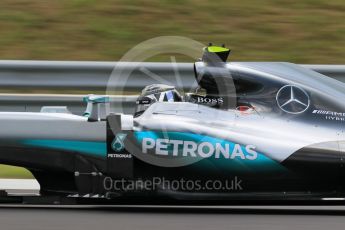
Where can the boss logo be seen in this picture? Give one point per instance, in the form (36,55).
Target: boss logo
(210,101)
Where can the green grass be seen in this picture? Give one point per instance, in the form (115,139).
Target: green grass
(14,172)
(302,31)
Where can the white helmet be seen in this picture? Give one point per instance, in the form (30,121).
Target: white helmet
(153,93)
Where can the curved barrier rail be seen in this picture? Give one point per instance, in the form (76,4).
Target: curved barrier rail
(94,76)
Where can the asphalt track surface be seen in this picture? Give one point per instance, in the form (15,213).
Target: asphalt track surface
(234,217)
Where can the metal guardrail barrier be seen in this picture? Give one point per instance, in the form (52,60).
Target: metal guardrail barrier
(74,103)
(94,76)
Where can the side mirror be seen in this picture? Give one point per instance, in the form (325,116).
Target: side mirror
(98,107)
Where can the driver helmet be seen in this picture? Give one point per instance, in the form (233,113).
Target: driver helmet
(154,93)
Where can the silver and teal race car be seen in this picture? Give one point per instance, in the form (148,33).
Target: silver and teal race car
(248,131)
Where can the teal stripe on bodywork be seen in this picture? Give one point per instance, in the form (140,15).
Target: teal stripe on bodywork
(262,163)
(93,148)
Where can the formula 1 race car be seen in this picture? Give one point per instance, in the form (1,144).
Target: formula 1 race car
(249,131)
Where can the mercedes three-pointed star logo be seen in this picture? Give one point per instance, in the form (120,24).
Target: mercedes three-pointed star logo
(292,99)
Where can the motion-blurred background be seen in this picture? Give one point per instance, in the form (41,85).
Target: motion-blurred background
(301,31)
